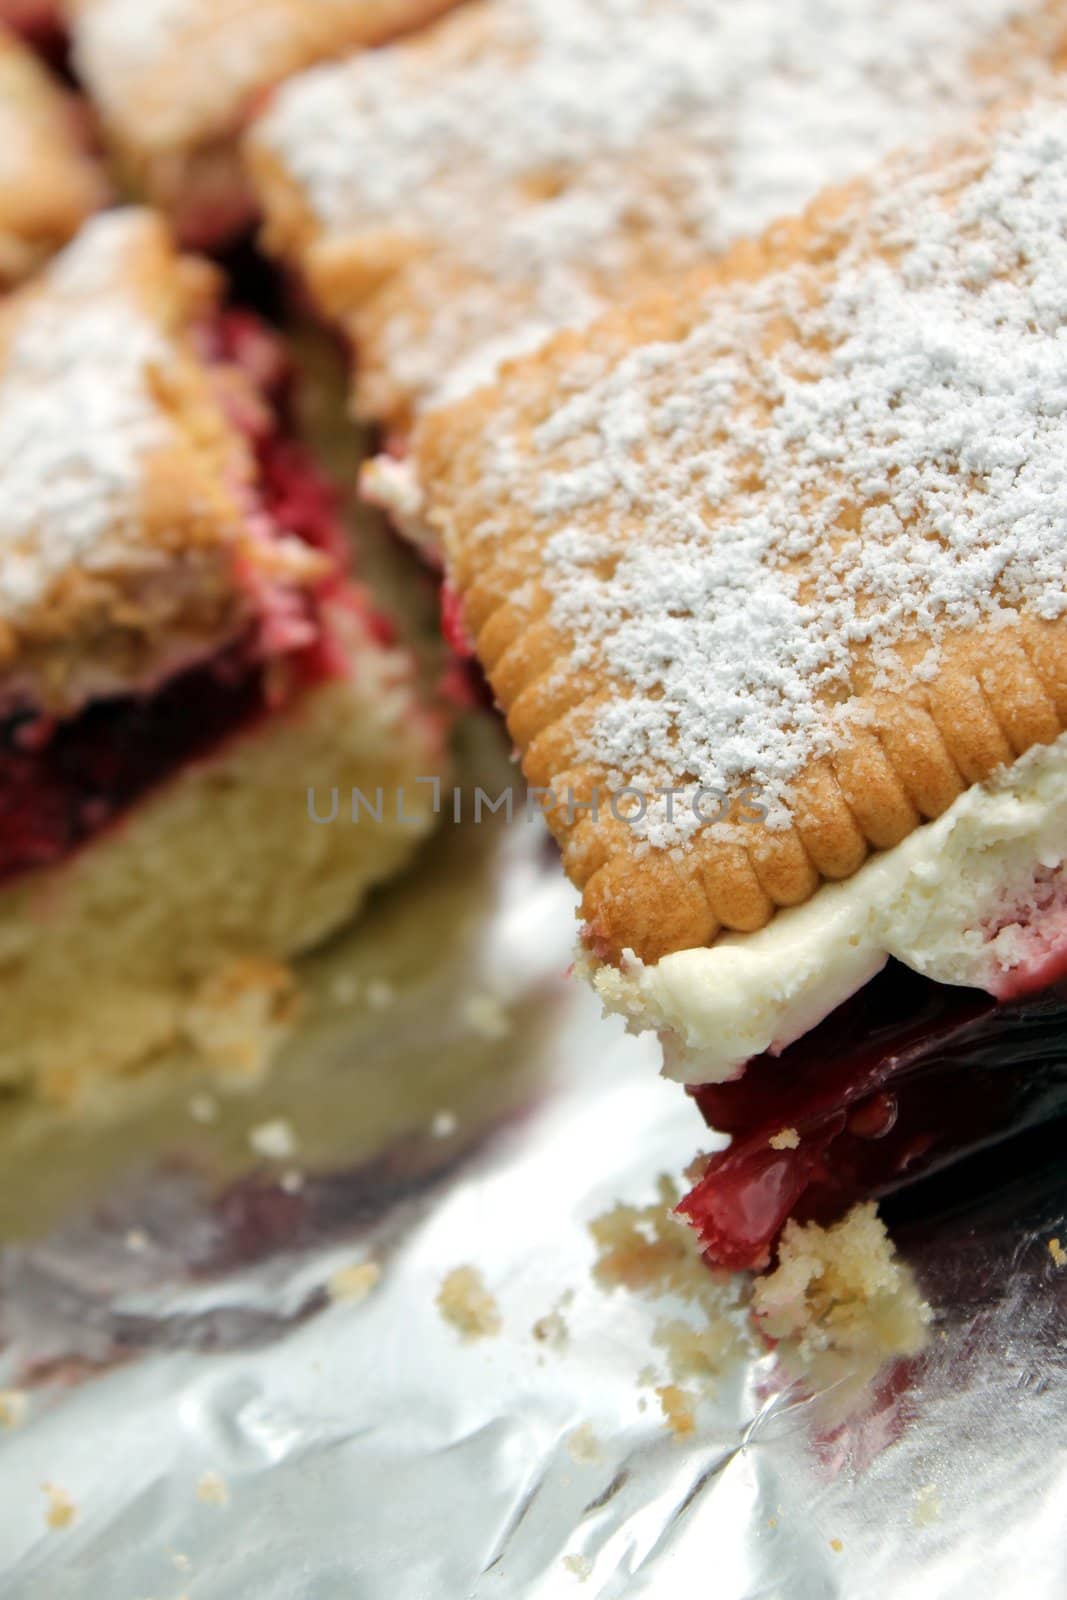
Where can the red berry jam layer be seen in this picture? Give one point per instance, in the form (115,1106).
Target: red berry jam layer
(63,782)
(904,1078)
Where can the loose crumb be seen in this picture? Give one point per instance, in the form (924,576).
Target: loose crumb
(581,1566)
(485,1016)
(380,994)
(60,1511)
(678,1409)
(213,1489)
(840,1303)
(1057,1252)
(466,1303)
(927,1507)
(785,1139)
(204,1108)
(649,1251)
(275,1140)
(354,1283)
(837,1545)
(292,1181)
(137,1241)
(444,1125)
(584,1446)
(14,1405)
(552,1330)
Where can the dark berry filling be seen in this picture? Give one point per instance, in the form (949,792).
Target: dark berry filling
(63,782)
(904,1078)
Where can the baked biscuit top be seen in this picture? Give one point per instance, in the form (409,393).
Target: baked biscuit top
(457,197)
(48,181)
(130,540)
(788,536)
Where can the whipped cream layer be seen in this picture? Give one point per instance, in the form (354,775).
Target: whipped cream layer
(977,898)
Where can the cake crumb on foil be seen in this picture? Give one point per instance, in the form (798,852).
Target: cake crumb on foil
(584,1446)
(1057,1252)
(353,1284)
(837,1545)
(484,1015)
(679,1409)
(927,1507)
(465,1303)
(840,1303)
(60,1511)
(14,1404)
(580,1566)
(785,1139)
(275,1139)
(213,1489)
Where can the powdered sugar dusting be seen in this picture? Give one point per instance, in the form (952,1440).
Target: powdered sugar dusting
(76,417)
(890,467)
(582,140)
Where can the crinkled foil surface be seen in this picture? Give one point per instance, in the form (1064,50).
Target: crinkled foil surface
(456,1099)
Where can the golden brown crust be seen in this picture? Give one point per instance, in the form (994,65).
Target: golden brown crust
(908,749)
(50,182)
(127,538)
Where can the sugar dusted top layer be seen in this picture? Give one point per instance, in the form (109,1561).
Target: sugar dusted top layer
(531,157)
(128,535)
(811,511)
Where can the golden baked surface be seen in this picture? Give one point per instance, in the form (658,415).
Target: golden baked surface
(48,182)
(524,163)
(790,533)
(126,539)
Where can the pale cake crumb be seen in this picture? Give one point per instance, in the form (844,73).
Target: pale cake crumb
(213,1489)
(651,1252)
(837,1545)
(786,1139)
(204,1108)
(584,1446)
(927,1507)
(14,1404)
(580,1566)
(484,1015)
(60,1511)
(380,994)
(467,1305)
(679,1409)
(292,1181)
(1057,1252)
(840,1303)
(137,1241)
(275,1139)
(444,1125)
(355,1283)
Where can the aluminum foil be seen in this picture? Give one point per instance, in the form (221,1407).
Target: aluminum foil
(209,1422)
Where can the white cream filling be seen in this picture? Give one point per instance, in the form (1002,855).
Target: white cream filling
(952,901)
(393,486)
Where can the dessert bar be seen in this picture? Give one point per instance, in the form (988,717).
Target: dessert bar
(767,571)
(183,658)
